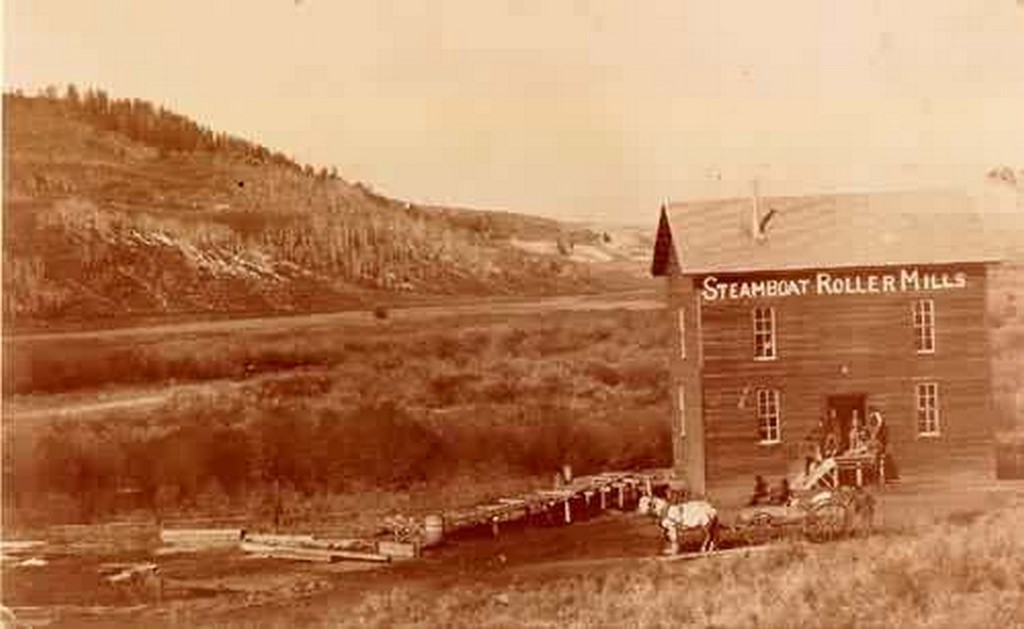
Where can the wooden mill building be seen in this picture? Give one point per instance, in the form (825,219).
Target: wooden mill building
(788,309)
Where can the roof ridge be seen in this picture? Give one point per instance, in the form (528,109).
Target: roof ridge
(945,191)
(849,229)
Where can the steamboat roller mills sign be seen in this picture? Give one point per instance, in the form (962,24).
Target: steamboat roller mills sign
(715,289)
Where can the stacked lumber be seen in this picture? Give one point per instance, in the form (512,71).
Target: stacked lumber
(278,539)
(398,550)
(15,550)
(110,534)
(307,553)
(201,539)
(306,547)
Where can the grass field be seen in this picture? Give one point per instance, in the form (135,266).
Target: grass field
(967,577)
(390,406)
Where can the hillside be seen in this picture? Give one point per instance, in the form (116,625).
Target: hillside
(116,208)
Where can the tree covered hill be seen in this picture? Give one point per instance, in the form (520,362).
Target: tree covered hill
(120,208)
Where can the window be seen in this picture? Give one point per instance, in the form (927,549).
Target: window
(768,416)
(764,333)
(928,409)
(682,333)
(924,326)
(681,397)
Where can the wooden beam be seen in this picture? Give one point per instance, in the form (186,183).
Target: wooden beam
(311,554)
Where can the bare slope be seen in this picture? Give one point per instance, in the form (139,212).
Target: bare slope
(116,208)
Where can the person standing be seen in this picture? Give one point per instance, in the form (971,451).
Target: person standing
(855,436)
(880,446)
(812,446)
(879,432)
(830,440)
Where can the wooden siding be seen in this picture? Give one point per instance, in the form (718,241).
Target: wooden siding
(833,345)
(689,452)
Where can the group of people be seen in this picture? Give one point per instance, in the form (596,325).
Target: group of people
(824,441)
(763,495)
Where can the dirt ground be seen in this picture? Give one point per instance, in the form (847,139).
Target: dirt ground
(211,586)
(215,587)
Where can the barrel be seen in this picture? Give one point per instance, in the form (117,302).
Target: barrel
(433,530)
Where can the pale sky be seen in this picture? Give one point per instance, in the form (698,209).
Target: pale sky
(582,109)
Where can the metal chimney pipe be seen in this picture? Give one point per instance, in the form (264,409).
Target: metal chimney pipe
(755,209)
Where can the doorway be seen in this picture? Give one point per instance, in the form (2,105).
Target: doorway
(841,411)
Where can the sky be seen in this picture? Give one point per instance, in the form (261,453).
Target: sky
(582,109)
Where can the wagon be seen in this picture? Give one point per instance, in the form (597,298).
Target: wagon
(819,517)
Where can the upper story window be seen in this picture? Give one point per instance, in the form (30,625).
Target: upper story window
(928,409)
(682,333)
(681,401)
(764,333)
(924,326)
(768,416)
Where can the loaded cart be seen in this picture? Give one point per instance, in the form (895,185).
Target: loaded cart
(820,516)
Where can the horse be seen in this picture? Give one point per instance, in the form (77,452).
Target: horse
(689,515)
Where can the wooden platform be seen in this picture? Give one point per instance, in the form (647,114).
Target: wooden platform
(585,495)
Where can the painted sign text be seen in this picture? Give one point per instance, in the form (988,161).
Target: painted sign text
(824,283)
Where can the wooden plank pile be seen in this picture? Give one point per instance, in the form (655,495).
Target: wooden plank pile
(297,547)
(15,550)
(200,539)
(139,579)
(307,553)
(23,553)
(82,537)
(308,548)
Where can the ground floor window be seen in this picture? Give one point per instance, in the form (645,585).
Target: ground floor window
(927,409)
(768,416)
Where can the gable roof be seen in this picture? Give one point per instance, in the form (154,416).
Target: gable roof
(823,231)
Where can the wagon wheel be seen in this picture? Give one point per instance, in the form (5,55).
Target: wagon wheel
(759,528)
(827,521)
